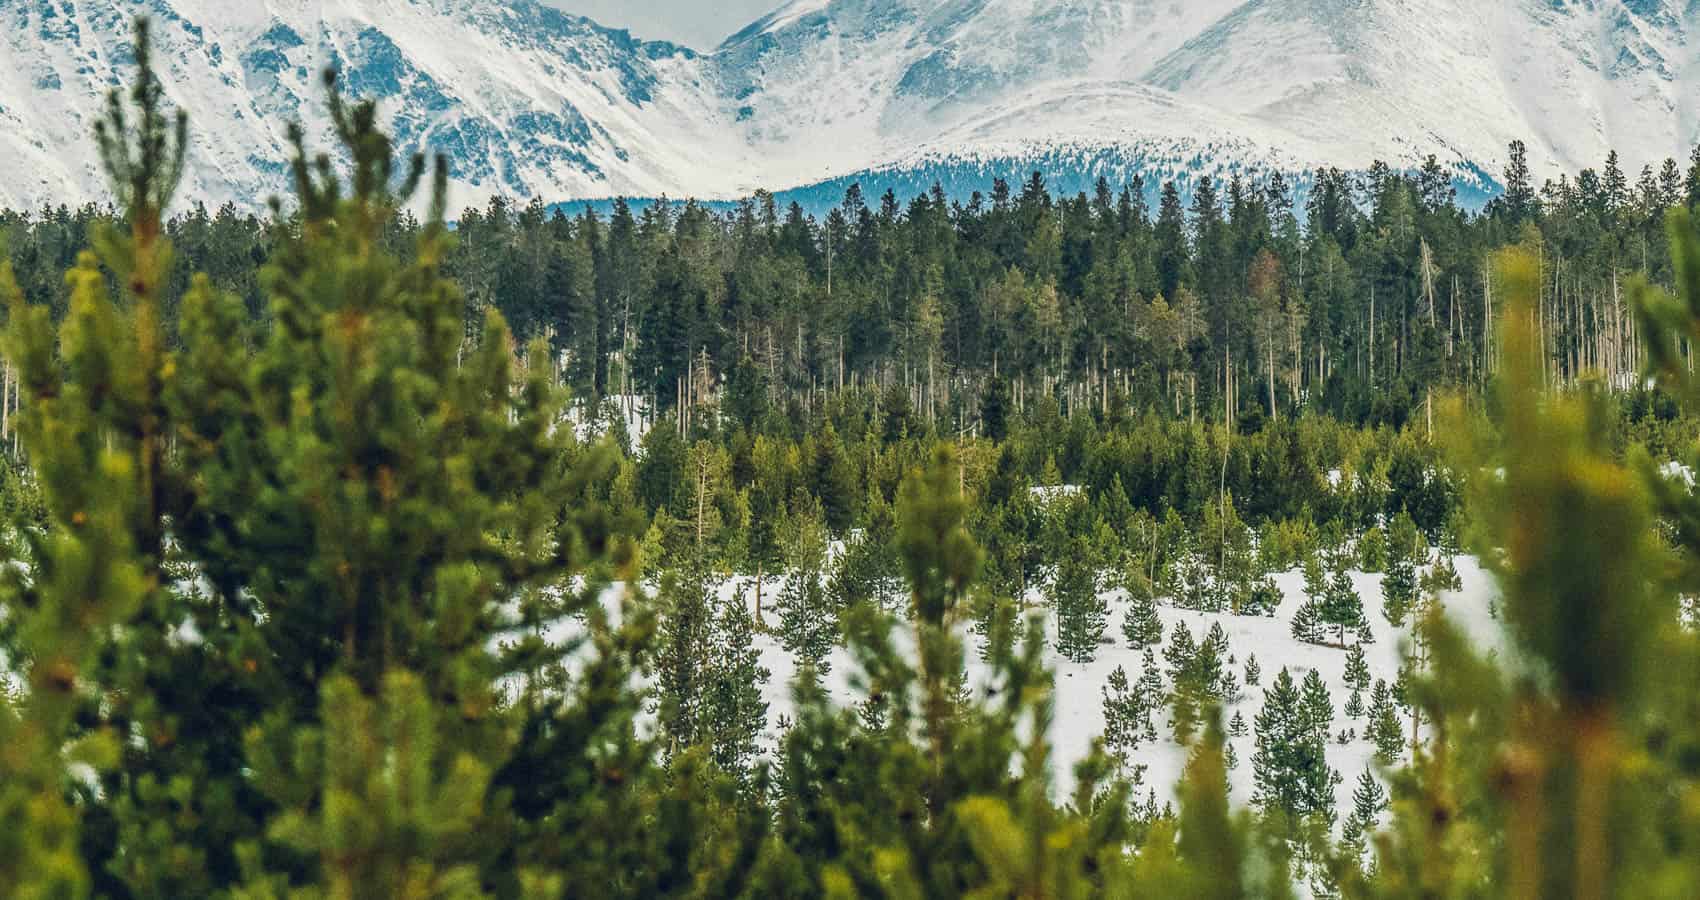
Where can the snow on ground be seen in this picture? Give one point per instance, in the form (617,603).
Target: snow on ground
(632,411)
(1079,717)
(1045,494)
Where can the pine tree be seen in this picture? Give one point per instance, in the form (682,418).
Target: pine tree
(1354,708)
(1217,640)
(1372,551)
(1253,672)
(1172,254)
(683,656)
(1237,726)
(1198,681)
(91,421)
(733,713)
(1357,675)
(1180,652)
(808,625)
(1518,201)
(1369,800)
(1080,611)
(354,506)
(934,787)
(1384,730)
(1316,578)
(1399,591)
(1230,559)
(407,802)
(1318,705)
(1229,688)
(1307,623)
(1290,768)
(1150,693)
(1441,577)
(1121,716)
(1141,626)
(1342,609)
(1691,185)
(866,572)
(1263,599)
(1399,586)
(1404,539)
(1190,584)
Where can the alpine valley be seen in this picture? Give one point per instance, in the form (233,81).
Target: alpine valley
(528,101)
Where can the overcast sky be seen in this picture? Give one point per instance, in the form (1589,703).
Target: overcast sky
(698,24)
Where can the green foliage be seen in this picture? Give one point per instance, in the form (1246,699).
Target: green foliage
(1318,705)
(1263,598)
(1307,623)
(375,793)
(939,556)
(1354,708)
(1568,766)
(1357,669)
(867,570)
(682,655)
(734,715)
(1399,591)
(808,620)
(335,505)
(1287,543)
(924,801)
(1341,607)
(1150,691)
(286,540)
(1291,771)
(708,674)
(1369,801)
(1141,626)
(1124,713)
(1383,730)
(1372,550)
(1080,611)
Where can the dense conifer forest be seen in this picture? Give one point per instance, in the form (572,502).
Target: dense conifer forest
(1359,303)
(351,551)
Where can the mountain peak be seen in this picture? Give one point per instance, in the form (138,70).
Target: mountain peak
(529,101)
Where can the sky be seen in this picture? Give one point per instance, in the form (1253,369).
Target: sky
(698,24)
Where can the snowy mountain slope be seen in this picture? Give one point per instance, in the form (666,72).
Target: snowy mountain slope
(1333,82)
(525,100)
(528,101)
(1572,79)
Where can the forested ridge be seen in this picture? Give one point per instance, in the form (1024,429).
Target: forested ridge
(1376,291)
(354,554)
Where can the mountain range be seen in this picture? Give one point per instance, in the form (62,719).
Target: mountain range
(528,101)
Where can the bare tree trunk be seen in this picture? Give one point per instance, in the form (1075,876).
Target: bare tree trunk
(761,565)
(1271,343)
(1372,335)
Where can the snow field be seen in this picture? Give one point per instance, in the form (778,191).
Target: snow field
(1079,716)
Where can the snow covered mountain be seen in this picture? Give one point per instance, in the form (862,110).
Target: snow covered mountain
(1205,84)
(530,101)
(524,99)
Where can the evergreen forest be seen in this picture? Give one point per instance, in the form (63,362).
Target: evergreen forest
(365,548)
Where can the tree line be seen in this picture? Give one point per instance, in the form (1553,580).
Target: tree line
(278,591)
(1360,302)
